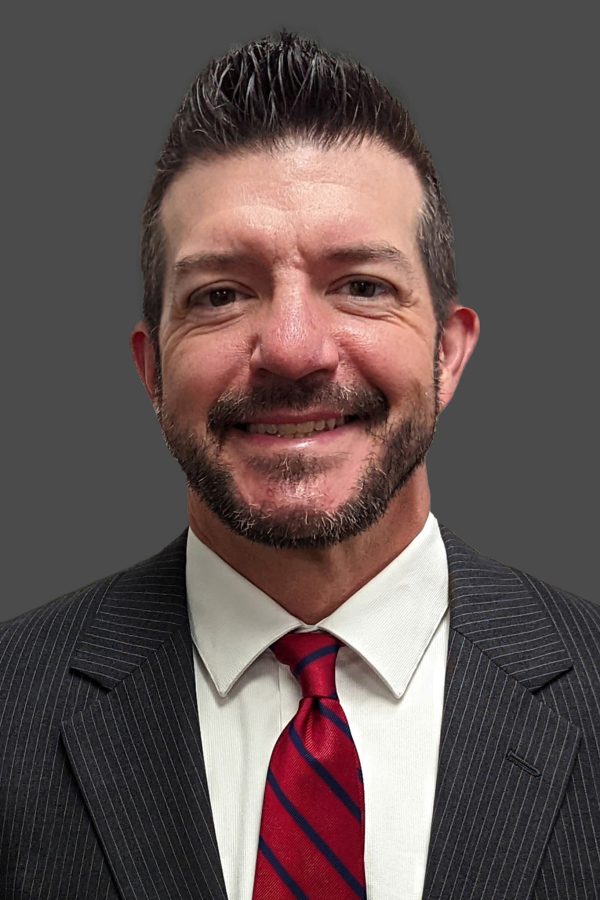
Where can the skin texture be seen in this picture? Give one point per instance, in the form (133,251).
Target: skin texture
(287,332)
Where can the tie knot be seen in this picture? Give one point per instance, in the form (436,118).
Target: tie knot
(311,656)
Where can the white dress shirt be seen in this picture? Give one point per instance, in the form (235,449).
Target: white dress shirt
(390,682)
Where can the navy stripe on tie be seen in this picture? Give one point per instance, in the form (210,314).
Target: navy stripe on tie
(327,777)
(318,841)
(283,873)
(316,654)
(329,714)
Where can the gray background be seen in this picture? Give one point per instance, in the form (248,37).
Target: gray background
(507,101)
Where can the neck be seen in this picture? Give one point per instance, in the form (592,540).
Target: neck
(310,584)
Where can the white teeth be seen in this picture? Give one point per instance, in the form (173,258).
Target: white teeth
(296,429)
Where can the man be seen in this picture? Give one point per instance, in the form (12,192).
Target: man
(315,691)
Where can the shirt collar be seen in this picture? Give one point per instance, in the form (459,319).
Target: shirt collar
(389,622)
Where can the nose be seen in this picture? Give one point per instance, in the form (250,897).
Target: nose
(294,338)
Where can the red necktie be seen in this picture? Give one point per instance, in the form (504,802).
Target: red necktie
(311,844)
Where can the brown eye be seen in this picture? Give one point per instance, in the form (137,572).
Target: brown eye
(213,298)
(367,289)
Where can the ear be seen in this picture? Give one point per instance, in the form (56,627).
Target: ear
(458,341)
(145,360)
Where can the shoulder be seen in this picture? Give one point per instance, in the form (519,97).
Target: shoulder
(525,623)
(557,598)
(576,619)
(49,633)
(476,572)
(55,620)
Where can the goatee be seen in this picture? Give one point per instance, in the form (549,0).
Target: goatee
(399,449)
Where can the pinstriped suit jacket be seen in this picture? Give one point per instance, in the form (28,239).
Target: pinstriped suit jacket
(103,787)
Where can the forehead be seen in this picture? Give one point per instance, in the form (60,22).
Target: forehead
(283,204)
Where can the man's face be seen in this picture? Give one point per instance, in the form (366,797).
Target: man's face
(298,385)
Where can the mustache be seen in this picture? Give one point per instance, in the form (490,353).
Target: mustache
(233,408)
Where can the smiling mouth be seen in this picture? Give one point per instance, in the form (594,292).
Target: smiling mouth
(295,429)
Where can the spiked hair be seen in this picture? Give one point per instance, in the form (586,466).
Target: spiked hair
(269,92)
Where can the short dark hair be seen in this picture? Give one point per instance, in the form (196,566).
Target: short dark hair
(261,95)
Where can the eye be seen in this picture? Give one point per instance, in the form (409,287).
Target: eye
(214,298)
(362,287)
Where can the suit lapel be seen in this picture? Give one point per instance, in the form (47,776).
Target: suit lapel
(137,753)
(505,757)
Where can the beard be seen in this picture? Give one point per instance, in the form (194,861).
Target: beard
(399,449)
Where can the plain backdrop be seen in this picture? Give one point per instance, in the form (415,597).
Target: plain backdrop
(506,97)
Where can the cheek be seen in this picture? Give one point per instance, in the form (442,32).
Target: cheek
(197,373)
(389,358)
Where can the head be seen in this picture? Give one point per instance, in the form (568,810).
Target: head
(276,121)
(263,95)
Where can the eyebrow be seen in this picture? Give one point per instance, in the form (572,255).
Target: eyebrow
(380,251)
(203,262)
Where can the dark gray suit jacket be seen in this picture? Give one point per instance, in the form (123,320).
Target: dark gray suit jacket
(103,787)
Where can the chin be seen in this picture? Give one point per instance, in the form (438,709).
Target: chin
(294,508)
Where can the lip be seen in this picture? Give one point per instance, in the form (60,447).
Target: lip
(313,440)
(286,418)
